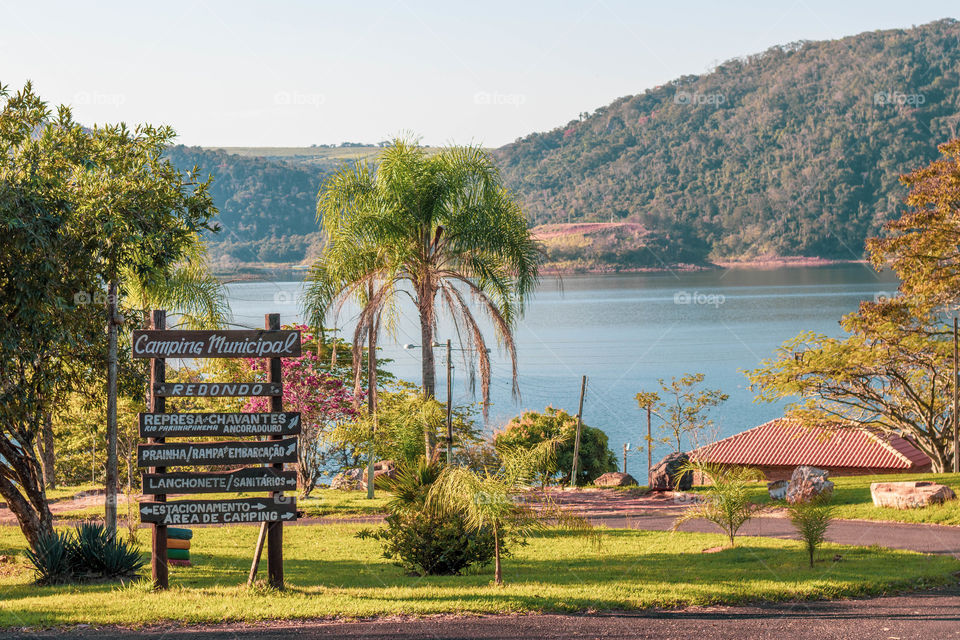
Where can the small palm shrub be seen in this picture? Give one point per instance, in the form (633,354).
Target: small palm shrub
(727,503)
(91,552)
(811,520)
(427,541)
(51,559)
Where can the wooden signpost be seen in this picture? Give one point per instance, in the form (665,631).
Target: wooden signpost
(278,427)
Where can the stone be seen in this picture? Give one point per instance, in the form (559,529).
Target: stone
(615,479)
(663,476)
(382,469)
(778,489)
(807,483)
(349,480)
(909,495)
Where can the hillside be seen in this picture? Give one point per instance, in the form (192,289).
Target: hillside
(795,151)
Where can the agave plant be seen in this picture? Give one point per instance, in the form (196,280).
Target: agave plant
(51,558)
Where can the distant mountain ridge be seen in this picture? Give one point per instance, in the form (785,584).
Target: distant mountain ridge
(795,151)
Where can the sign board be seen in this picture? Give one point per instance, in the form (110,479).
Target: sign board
(248,479)
(217,389)
(216,344)
(216,453)
(178,425)
(219,511)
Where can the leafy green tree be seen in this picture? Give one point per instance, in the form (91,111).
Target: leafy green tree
(75,205)
(530,429)
(682,407)
(811,519)
(441,225)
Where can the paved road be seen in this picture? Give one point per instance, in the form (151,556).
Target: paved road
(916,537)
(931,615)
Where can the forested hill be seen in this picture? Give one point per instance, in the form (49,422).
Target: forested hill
(267,207)
(794,151)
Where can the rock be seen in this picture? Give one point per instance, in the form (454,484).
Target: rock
(382,469)
(807,483)
(909,495)
(615,479)
(663,476)
(350,480)
(778,489)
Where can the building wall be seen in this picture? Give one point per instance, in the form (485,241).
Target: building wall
(784,473)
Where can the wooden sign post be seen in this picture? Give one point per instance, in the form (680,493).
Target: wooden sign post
(280,429)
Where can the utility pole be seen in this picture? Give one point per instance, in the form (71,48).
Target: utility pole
(449,405)
(576,442)
(649,444)
(956,402)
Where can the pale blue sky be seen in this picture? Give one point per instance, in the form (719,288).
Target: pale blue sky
(297,73)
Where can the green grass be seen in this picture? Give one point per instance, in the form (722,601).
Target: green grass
(852,497)
(322,502)
(330,573)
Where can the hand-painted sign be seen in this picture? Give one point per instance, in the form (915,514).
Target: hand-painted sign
(217,389)
(216,453)
(219,511)
(178,425)
(216,344)
(249,479)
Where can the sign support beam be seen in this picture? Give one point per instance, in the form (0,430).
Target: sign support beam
(158,375)
(275,529)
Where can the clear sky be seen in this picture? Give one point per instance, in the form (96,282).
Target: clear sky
(300,73)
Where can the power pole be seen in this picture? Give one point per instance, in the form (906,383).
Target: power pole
(956,402)
(576,442)
(449,405)
(649,444)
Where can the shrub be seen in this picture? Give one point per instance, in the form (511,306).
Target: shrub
(811,520)
(727,503)
(532,428)
(427,541)
(90,553)
(51,559)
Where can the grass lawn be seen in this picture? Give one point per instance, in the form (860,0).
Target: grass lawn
(330,573)
(322,502)
(852,497)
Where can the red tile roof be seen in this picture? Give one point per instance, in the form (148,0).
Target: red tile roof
(784,442)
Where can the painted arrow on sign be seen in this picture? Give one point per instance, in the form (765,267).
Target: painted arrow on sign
(216,453)
(249,479)
(219,511)
(174,425)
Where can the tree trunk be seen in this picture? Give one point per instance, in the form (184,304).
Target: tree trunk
(48,457)
(110,500)
(371,397)
(497,574)
(427,361)
(28,502)
(811,556)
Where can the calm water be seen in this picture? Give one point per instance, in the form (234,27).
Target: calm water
(625,331)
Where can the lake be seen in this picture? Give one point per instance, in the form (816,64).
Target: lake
(624,332)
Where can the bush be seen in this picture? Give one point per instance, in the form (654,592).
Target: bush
(427,541)
(811,520)
(532,428)
(90,553)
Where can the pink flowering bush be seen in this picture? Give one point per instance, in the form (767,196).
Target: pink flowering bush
(323,400)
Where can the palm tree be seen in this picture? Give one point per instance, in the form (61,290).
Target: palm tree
(428,227)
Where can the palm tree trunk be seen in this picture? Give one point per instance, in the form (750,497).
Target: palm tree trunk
(497,574)
(428,367)
(371,397)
